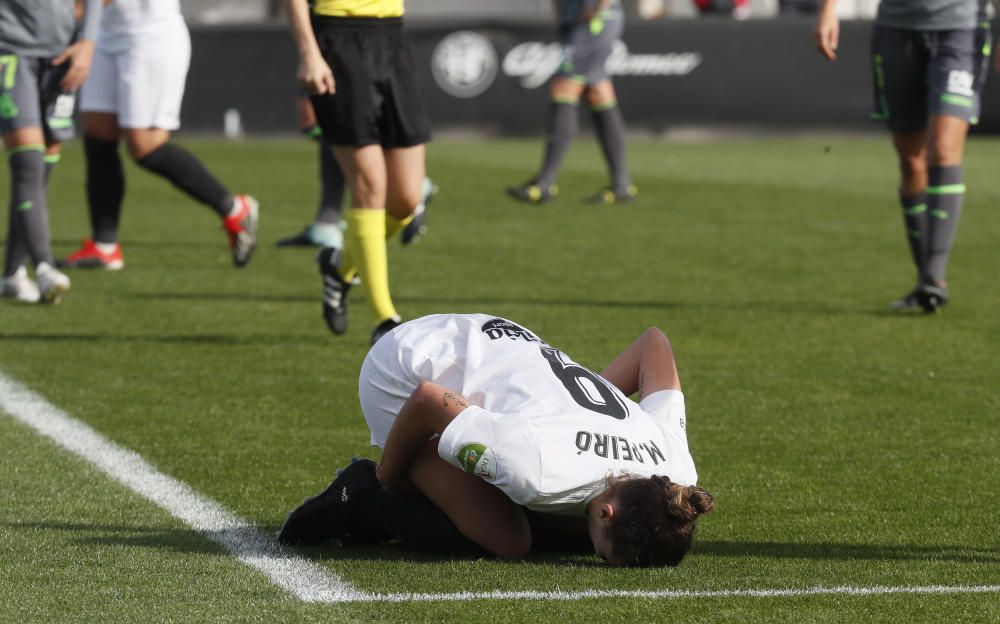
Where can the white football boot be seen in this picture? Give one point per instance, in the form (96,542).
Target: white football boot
(20,287)
(51,283)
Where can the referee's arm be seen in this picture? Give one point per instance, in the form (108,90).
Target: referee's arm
(313,74)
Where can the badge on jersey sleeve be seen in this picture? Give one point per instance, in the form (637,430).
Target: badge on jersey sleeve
(478,459)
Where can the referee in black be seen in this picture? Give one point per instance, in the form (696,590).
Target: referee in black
(360,71)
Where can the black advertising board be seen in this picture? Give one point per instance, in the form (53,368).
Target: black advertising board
(490,76)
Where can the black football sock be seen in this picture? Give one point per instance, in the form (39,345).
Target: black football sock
(411,519)
(610,128)
(561,130)
(188,174)
(333,186)
(105,188)
(28,205)
(945,192)
(915,223)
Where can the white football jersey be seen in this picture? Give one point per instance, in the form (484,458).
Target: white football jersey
(126,23)
(544,430)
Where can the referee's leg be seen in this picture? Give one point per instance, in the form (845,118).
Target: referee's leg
(366,173)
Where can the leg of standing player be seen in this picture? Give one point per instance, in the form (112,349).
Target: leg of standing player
(561,127)
(327,228)
(366,171)
(136,95)
(947,77)
(596,43)
(900,62)
(609,125)
(27,86)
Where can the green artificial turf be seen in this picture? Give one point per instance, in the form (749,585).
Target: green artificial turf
(845,446)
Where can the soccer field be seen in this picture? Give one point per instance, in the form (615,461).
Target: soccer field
(854,455)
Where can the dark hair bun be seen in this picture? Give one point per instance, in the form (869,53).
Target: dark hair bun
(700,500)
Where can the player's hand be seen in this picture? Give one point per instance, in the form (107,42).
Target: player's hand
(79,55)
(314,76)
(827,34)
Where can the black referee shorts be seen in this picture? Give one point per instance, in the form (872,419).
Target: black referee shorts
(377,101)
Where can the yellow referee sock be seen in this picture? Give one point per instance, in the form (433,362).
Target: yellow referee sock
(348,268)
(366,247)
(393,225)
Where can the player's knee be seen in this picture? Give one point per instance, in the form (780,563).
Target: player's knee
(944,152)
(368,191)
(403,206)
(912,166)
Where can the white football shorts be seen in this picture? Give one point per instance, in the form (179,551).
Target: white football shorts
(143,84)
(383,386)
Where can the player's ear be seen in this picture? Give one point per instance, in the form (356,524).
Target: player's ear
(606,512)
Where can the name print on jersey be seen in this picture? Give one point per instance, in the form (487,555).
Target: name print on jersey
(500,328)
(604,445)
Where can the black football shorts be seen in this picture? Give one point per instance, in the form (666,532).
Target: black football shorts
(377,100)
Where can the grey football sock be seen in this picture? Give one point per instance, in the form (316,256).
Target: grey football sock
(610,128)
(28,208)
(915,223)
(561,128)
(17,248)
(16,252)
(333,186)
(945,192)
(50,163)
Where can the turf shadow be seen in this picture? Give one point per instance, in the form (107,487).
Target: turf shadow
(217,296)
(788,307)
(191,541)
(828,550)
(178,540)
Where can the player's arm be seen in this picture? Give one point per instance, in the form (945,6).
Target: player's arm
(428,411)
(646,366)
(314,74)
(827,30)
(80,54)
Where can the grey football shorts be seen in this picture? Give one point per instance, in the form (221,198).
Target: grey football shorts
(918,74)
(586,48)
(30,97)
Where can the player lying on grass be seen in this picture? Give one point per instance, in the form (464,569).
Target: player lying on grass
(488,422)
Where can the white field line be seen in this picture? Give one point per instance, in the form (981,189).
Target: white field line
(300,577)
(876,590)
(303,579)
